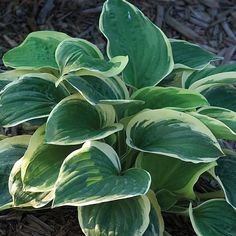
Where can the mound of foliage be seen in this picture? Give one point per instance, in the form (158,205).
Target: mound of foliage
(123,137)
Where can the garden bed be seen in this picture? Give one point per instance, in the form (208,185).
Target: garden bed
(209,23)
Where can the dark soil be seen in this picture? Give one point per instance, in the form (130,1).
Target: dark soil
(59,222)
(210,23)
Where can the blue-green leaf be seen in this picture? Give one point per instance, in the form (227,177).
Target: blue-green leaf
(99,90)
(93,175)
(172,133)
(198,75)
(213,218)
(41,163)
(11,150)
(131,33)
(127,217)
(191,56)
(225,173)
(74,121)
(164,97)
(32,96)
(78,55)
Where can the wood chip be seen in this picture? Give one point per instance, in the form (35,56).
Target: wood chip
(45,11)
(201,15)
(228,54)
(210,3)
(92,10)
(159,15)
(10,41)
(182,28)
(39,222)
(198,22)
(228,31)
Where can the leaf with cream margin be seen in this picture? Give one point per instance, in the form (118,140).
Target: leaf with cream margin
(41,163)
(36,51)
(194,76)
(164,97)
(99,90)
(93,175)
(22,198)
(172,133)
(191,56)
(11,150)
(122,217)
(74,121)
(217,127)
(148,49)
(32,96)
(206,218)
(220,95)
(225,174)
(220,78)
(156,222)
(81,56)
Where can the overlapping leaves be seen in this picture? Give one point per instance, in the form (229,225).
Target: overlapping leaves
(172,134)
(11,150)
(82,122)
(95,172)
(37,51)
(148,49)
(30,97)
(205,218)
(77,55)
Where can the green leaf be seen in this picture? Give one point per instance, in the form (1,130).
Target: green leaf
(220,78)
(213,218)
(172,133)
(191,56)
(131,33)
(166,199)
(221,96)
(3,84)
(156,223)
(11,150)
(96,90)
(163,97)
(22,198)
(123,217)
(32,96)
(74,121)
(174,175)
(9,76)
(153,227)
(93,175)
(217,127)
(225,173)
(41,163)
(198,75)
(226,116)
(69,51)
(78,55)
(37,51)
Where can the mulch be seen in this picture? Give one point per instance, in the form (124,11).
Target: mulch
(59,222)
(209,23)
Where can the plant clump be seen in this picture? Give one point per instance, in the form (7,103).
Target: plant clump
(125,136)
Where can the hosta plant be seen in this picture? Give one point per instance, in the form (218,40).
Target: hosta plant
(128,136)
